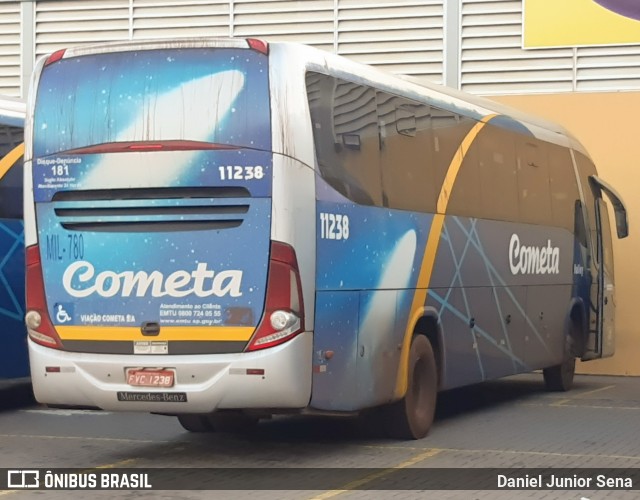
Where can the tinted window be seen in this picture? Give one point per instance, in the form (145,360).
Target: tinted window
(586,168)
(533,182)
(498,173)
(405,154)
(10,137)
(381,149)
(345,131)
(218,95)
(580,230)
(564,187)
(449,130)
(506,176)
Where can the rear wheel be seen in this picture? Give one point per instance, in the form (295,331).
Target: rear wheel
(559,378)
(412,416)
(196,423)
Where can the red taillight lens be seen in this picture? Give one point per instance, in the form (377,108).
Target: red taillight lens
(39,325)
(258,45)
(56,56)
(283,316)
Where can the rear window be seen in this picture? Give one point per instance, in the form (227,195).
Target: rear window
(209,95)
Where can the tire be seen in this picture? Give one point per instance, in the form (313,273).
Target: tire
(196,423)
(412,416)
(576,339)
(559,378)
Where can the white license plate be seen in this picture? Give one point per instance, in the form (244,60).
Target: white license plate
(150,378)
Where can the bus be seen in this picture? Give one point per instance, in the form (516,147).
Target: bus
(14,363)
(226,229)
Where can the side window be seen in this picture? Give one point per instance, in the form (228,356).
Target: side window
(586,168)
(345,130)
(11,180)
(533,182)
(564,187)
(579,228)
(498,173)
(405,154)
(355,122)
(449,130)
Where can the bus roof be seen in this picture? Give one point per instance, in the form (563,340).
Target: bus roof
(12,111)
(446,97)
(323,61)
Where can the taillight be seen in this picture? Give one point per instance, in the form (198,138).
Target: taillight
(258,45)
(56,56)
(39,325)
(283,316)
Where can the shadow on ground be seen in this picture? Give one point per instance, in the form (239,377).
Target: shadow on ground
(457,403)
(15,395)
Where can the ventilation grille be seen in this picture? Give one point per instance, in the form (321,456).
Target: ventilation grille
(152,210)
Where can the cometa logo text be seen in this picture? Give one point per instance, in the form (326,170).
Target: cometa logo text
(80,280)
(533,259)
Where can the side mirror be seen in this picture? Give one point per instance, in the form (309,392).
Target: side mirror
(622,222)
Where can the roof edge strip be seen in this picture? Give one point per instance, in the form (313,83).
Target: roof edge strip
(182,43)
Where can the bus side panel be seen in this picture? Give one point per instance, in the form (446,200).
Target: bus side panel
(548,318)
(380,334)
(515,322)
(375,253)
(335,351)
(502,305)
(489,334)
(458,342)
(14,361)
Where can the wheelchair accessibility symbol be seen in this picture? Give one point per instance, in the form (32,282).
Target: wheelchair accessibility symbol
(62,316)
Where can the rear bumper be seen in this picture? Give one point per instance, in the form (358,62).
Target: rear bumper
(208,382)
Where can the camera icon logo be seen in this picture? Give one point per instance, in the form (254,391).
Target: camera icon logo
(21,479)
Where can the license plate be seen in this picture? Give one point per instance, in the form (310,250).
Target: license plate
(150,378)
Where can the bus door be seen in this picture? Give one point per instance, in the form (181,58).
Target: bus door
(601,342)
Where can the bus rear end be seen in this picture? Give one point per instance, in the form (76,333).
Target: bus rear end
(153,280)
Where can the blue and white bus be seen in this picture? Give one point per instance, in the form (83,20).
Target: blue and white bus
(14,363)
(223,229)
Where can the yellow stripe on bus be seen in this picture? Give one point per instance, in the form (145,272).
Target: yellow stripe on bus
(456,163)
(431,250)
(10,158)
(131,333)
